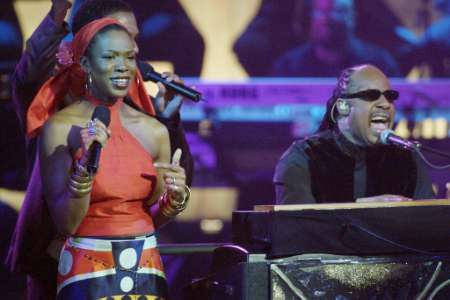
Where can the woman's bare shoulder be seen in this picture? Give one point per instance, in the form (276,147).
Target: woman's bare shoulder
(145,121)
(60,126)
(74,114)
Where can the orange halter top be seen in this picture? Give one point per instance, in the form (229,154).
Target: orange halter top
(124,181)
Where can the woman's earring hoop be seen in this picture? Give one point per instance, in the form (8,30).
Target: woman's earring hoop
(88,82)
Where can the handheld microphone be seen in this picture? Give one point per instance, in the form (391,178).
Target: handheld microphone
(148,73)
(388,137)
(101,113)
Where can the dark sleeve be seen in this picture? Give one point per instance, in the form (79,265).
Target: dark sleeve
(35,65)
(178,140)
(292,179)
(424,188)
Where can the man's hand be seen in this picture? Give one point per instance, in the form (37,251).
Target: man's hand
(59,10)
(166,102)
(384,198)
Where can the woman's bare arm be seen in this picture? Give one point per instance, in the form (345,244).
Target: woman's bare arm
(66,209)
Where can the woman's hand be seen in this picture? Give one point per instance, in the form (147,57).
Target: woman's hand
(384,198)
(174,179)
(94,131)
(177,193)
(167,103)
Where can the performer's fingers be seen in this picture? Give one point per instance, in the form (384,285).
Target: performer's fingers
(176,157)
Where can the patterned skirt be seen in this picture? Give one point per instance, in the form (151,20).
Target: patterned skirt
(111,269)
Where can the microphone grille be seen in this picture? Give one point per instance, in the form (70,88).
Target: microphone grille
(103,114)
(384,135)
(144,67)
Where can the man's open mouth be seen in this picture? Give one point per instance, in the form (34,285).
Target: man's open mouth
(380,121)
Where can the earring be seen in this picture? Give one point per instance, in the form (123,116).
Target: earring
(88,82)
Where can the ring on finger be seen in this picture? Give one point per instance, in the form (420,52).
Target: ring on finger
(92,130)
(92,123)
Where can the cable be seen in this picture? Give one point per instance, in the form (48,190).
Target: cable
(440,287)
(289,283)
(430,282)
(391,242)
(417,149)
(432,150)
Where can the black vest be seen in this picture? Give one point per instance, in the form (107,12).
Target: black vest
(332,160)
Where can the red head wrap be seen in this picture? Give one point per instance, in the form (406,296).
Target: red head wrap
(70,78)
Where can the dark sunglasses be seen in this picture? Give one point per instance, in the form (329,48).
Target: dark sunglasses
(373,95)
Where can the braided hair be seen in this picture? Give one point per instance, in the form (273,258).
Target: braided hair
(328,120)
